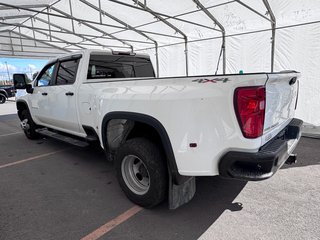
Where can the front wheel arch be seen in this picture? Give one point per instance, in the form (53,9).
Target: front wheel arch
(3,98)
(21,105)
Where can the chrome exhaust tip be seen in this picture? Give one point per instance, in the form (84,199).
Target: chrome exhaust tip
(292,159)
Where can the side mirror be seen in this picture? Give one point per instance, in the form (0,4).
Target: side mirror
(19,81)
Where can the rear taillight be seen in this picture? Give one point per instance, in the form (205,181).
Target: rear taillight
(249,103)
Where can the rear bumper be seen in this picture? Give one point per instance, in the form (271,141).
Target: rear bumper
(264,163)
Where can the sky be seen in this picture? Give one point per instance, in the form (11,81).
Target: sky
(18,65)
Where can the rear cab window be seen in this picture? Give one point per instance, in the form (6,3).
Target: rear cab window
(119,66)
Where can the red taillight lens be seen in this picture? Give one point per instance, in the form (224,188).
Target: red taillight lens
(249,103)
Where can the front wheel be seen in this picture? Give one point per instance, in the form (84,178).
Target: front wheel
(28,126)
(2,98)
(141,172)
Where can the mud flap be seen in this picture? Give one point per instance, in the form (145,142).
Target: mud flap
(182,193)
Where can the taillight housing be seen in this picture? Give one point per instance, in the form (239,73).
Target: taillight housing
(249,104)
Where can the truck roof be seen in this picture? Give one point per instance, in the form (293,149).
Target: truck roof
(101,52)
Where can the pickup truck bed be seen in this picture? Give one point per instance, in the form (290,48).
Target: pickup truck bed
(161,132)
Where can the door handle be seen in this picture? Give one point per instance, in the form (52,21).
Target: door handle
(69,93)
(44,94)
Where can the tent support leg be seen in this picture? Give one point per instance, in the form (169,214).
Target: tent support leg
(20,38)
(177,30)
(273,27)
(49,25)
(273,47)
(186,54)
(224,61)
(72,22)
(157,59)
(12,49)
(223,31)
(33,33)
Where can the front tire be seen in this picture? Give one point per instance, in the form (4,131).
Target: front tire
(141,172)
(2,98)
(28,125)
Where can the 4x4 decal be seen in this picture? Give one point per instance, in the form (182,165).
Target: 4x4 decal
(212,80)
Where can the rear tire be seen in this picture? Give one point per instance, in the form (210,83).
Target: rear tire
(142,173)
(2,98)
(30,126)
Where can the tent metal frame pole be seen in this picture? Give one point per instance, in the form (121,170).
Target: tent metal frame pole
(68,16)
(33,33)
(216,22)
(273,27)
(25,6)
(60,39)
(53,41)
(40,41)
(100,15)
(237,34)
(127,25)
(171,26)
(272,20)
(71,13)
(19,29)
(39,31)
(49,25)
(27,45)
(253,10)
(14,17)
(12,49)
(178,15)
(93,27)
(5,6)
(162,14)
(28,56)
(29,9)
(68,31)
(27,51)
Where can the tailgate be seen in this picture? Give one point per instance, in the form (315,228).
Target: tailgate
(281,98)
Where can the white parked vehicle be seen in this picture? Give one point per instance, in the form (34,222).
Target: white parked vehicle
(161,132)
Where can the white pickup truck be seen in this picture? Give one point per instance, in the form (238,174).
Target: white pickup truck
(162,132)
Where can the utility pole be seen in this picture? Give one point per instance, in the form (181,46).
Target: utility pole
(7,71)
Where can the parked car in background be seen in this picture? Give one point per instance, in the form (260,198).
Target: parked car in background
(6,91)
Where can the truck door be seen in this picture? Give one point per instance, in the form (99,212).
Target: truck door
(39,103)
(63,96)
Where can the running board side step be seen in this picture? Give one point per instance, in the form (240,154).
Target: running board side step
(62,137)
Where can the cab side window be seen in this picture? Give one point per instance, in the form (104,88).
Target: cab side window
(67,72)
(45,78)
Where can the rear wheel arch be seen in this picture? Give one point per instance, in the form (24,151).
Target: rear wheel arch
(136,121)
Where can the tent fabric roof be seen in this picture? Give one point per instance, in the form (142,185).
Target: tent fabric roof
(183,37)
(127,24)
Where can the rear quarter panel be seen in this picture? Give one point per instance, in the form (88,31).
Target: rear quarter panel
(191,109)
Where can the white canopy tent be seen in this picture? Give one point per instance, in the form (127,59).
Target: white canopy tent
(183,37)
